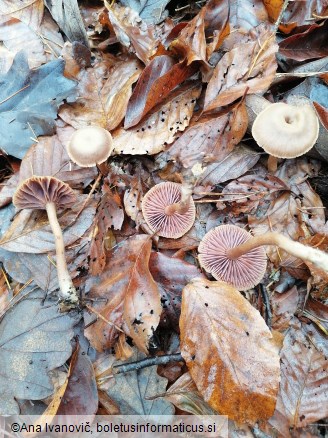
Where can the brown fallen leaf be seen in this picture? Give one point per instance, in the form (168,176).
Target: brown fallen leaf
(171,275)
(185,396)
(161,126)
(28,12)
(248,66)
(160,77)
(109,214)
(302,398)
(102,102)
(236,364)
(309,44)
(284,307)
(211,138)
(236,163)
(132,31)
(133,300)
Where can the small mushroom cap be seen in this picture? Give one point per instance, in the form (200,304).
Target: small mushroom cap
(153,209)
(37,191)
(286,131)
(90,146)
(243,273)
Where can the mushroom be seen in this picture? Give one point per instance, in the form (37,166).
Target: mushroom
(285,131)
(49,193)
(233,255)
(90,146)
(169,209)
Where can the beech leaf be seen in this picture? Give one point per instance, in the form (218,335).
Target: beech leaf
(34,339)
(237,369)
(30,99)
(161,126)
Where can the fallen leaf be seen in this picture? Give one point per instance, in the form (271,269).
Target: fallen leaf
(132,296)
(306,45)
(133,32)
(67,15)
(236,163)
(150,11)
(160,77)
(185,396)
(41,44)
(284,306)
(102,102)
(161,126)
(250,67)
(322,113)
(34,339)
(109,214)
(80,396)
(273,7)
(30,100)
(49,157)
(302,398)
(237,369)
(28,12)
(210,138)
(171,276)
(131,391)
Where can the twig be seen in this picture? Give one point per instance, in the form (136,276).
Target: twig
(266,302)
(148,362)
(283,8)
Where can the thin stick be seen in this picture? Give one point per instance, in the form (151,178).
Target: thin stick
(283,8)
(148,362)
(266,302)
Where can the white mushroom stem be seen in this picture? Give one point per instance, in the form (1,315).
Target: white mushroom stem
(296,249)
(67,289)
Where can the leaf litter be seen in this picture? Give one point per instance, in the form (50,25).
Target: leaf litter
(171,81)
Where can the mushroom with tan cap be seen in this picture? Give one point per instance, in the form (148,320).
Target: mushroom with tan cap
(285,131)
(49,193)
(233,255)
(90,146)
(168,210)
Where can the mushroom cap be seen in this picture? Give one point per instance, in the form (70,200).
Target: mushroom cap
(37,191)
(286,131)
(244,272)
(153,209)
(90,146)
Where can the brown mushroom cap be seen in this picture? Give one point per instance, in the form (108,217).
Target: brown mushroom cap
(90,146)
(153,208)
(37,191)
(243,273)
(286,131)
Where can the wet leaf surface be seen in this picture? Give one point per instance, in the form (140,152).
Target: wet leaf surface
(229,382)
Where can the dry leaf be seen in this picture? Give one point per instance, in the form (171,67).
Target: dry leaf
(250,67)
(236,366)
(161,126)
(210,138)
(303,391)
(130,290)
(102,102)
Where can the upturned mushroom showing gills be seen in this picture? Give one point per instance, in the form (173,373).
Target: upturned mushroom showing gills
(49,193)
(285,131)
(168,211)
(233,255)
(90,146)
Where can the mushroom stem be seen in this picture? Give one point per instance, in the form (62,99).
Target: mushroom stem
(67,289)
(182,206)
(296,249)
(103,168)
(272,164)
